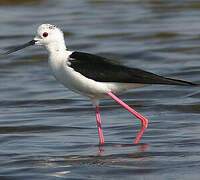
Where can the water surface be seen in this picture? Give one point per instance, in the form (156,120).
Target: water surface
(49,132)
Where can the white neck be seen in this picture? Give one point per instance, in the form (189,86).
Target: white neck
(56,48)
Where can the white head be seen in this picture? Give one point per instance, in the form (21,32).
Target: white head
(49,36)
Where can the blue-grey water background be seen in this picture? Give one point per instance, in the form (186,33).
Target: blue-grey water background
(49,132)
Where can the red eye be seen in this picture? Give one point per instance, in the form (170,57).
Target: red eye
(45,34)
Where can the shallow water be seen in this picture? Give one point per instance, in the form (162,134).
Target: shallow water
(49,132)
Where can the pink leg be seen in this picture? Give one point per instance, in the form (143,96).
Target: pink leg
(139,116)
(100,131)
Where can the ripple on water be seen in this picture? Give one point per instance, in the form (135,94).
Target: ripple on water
(48,132)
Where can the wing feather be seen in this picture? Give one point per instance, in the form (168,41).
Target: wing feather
(105,70)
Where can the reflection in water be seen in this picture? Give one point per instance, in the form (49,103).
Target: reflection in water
(141,147)
(92,160)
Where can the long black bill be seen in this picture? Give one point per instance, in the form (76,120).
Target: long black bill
(17,48)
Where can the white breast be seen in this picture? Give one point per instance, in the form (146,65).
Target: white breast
(74,80)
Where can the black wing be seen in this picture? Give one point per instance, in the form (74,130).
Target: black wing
(104,70)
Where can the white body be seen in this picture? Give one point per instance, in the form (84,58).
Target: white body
(58,61)
(79,83)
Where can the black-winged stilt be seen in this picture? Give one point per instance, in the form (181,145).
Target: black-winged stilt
(93,76)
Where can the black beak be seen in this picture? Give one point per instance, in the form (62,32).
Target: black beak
(16,48)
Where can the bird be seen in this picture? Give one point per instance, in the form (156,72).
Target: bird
(94,76)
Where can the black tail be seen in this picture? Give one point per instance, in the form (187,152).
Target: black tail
(170,81)
(144,77)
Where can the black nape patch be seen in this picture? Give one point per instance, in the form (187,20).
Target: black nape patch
(52,27)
